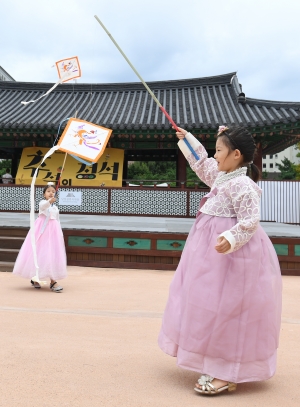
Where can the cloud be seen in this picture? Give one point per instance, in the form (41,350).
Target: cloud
(164,40)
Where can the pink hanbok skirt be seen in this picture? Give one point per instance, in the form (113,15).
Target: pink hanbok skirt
(51,252)
(223,314)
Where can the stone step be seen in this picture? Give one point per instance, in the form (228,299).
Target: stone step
(9,242)
(8,255)
(13,231)
(6,266)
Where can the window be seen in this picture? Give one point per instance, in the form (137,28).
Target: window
(271,165)
(271,156)
(264,165)
(276,155)
(264,157)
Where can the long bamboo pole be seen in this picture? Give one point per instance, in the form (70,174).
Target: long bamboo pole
(147,87)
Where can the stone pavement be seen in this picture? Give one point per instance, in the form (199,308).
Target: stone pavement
(95,344)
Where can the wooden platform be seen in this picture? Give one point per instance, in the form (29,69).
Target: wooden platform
(132,242)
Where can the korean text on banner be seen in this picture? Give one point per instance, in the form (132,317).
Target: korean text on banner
(108,171)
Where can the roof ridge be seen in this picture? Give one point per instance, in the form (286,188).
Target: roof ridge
(173,83)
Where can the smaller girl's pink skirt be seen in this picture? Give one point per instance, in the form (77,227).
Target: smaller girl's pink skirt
(51,252)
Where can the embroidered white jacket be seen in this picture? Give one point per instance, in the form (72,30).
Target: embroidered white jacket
(48,210)
(232,195)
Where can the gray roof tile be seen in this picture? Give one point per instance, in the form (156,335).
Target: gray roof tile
(200,103)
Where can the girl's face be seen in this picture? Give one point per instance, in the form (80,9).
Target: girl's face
(227,160)
(49,193)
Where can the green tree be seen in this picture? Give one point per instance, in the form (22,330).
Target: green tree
(152,171)
(297,147)
(3,165)
(159,171)
(139,170)
(287,169)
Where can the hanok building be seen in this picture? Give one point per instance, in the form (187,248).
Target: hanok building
(143,132)
(199,105)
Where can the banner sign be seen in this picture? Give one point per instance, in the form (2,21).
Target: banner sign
(108,171)
(69,198)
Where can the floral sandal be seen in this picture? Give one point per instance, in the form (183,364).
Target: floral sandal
(56,289)
(204,386)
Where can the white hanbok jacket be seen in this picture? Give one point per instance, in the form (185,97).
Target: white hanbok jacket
(232,194)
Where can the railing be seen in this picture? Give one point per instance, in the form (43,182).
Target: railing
(131,201)
(164,184)
(280,200)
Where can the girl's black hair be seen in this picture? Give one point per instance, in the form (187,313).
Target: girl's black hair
(239,138)
(46,187)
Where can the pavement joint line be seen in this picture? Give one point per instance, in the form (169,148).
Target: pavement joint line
(108,313)
(97,313)
(290,321)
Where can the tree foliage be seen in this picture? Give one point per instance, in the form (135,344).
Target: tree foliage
(158,171)
(287,169)
(152,170)
(4,164)
(297,147)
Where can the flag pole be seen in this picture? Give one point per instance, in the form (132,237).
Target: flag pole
(147,87)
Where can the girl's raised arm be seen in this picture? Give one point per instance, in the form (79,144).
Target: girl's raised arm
(206,168)
(44,204)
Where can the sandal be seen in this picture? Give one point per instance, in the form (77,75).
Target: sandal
(204,386)
(35,284)
(56,289)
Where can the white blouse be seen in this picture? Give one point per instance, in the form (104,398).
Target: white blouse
(49,210)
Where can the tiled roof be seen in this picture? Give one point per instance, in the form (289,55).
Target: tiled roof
(5,74)
(200,103)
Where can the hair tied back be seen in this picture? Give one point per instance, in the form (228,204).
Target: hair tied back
(222,129)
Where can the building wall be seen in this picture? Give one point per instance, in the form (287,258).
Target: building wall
(270,161)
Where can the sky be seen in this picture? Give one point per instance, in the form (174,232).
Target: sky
(163,39)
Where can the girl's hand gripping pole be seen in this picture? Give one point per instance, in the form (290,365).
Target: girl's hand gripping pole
(177,129)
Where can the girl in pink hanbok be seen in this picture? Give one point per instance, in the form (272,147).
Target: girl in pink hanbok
(222,318)
(50,245)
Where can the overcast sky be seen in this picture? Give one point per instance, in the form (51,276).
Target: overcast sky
(164,39)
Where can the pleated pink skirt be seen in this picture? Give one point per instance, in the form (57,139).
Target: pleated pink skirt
(223,314)
(51,253)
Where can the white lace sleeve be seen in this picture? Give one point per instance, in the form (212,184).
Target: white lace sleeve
(44,205)
(205,168)
(246,202)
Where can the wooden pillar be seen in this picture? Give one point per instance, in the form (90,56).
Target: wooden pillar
(14,165)
(125,170)
(181,168)
(258,157)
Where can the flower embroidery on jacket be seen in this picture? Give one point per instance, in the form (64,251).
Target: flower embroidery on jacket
(233,195)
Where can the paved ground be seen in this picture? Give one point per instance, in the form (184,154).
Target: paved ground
(135,223)
(95,344)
